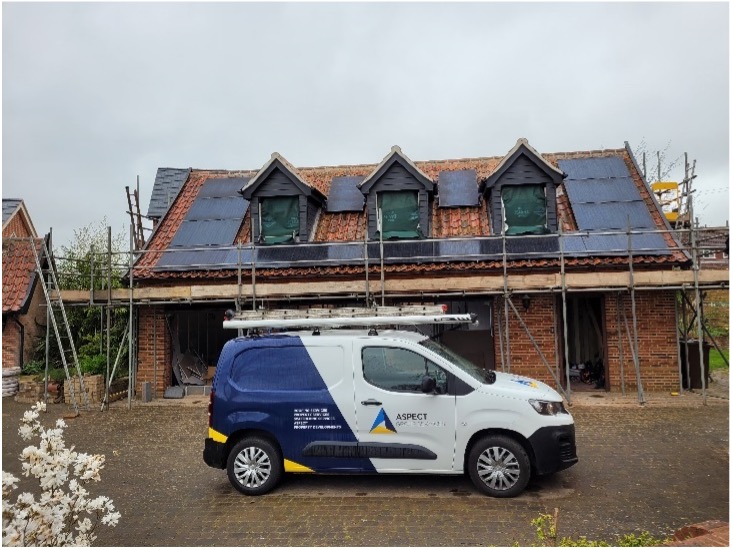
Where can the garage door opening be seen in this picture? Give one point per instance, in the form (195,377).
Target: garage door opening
(586,343)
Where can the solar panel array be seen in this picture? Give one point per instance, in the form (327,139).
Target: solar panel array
(344,195)
(604,198)
(457,188)
(212,222)
(602,195)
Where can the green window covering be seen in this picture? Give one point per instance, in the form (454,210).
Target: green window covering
(525,209)
(280,219)
(400,215)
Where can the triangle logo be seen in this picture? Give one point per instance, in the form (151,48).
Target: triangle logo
(382,424)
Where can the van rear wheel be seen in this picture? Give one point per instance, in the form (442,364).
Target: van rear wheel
(499,466)
(254,466)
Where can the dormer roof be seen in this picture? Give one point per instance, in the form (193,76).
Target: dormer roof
(396,155)
(523,148)
(278,162)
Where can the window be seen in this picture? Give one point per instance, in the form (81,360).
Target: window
(525,210)
(279,219)
(400,370)
(400,214)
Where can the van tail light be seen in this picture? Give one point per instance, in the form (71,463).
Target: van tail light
(211,407)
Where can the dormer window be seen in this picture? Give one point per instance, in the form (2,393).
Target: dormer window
(520,193)
(400,215)
(279,220)
(283,206)
(525,209)
(402,193)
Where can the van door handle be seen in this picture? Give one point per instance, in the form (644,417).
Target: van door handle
(371,402)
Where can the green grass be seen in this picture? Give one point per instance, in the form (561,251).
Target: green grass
(716,360)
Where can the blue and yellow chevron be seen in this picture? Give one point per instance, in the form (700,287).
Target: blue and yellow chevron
(382,424)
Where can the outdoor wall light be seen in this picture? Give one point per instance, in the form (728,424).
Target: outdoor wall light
(525,302)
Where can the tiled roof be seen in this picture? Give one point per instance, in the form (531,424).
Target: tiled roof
(19,273)
(350,226)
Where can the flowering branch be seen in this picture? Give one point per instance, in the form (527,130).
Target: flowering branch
(63,514)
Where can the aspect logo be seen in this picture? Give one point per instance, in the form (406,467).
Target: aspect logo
(382,424)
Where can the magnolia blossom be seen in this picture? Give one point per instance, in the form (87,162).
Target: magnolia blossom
(64,514)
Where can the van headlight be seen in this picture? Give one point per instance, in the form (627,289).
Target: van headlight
(548,408)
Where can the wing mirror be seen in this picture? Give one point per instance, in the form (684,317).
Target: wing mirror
(428,384)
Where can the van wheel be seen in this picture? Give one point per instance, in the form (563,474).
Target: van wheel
(254,466)
(499,466)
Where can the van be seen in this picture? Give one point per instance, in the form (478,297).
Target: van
(353,401)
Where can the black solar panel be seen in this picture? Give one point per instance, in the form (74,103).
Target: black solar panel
(222,187)
(344,195)
(458,248)
(594,168)
(604,198)
(193,233)
(213,208)
(610,190)
(457,188)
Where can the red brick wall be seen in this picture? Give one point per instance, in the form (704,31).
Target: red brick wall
(154,350)
(540,320)
(657,341)
(16,227)
(655,326)
(11,344)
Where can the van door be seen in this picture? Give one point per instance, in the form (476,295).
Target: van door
(400,428)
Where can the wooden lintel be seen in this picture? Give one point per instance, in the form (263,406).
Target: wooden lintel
(418,285)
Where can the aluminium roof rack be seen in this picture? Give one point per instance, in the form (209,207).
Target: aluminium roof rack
(344,317)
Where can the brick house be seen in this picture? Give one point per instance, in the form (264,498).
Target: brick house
(464,232)
(24,317)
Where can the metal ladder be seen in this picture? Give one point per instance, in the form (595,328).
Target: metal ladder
(52,293)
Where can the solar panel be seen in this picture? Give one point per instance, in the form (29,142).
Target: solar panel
(344,195)
(533,247)
(609,216)
(459,248)
(610,190)
(457,188)
(594,168)
(213,208)
(222,187)
(193,233)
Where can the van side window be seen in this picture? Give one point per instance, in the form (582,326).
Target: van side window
(399,370)
(281,368)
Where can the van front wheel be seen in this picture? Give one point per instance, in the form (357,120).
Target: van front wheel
(499,466)
(254,466)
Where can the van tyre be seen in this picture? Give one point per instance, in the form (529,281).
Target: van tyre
(254,466)
(499,466)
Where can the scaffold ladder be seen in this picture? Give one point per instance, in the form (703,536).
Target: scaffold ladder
(344,317)
(52,294)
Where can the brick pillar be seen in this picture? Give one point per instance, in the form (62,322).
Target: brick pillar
(11,344)
(154,350)
(657,341)
(540,320)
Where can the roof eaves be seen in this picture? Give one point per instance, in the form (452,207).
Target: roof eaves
(268,167)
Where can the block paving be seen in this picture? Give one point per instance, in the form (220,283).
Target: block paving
(658,467)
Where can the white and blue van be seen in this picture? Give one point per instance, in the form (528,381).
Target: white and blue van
(353,401)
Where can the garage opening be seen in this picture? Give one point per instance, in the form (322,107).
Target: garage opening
(586,343)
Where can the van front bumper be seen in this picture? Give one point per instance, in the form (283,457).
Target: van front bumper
(215,453)
(554,448)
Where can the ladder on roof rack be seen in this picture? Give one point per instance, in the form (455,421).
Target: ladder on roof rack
(344,317)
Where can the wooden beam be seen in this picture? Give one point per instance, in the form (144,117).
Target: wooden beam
(418,285)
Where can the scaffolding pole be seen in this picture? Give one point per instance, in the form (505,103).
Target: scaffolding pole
(677,337)
(506,301)
(698,304)
(501,339)
(635,345)
(130,374)
(564,314)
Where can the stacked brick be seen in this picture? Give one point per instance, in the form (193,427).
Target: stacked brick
(93,385)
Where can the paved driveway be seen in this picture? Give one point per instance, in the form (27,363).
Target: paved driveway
(655,468)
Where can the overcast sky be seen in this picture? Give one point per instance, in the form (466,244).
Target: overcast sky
(96,94)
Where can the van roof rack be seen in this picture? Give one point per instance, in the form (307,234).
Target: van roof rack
(344,317)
